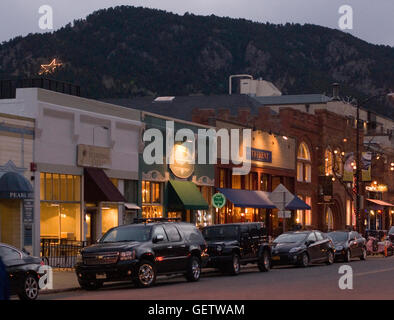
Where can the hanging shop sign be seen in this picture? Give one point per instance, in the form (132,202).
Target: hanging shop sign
(218,200)
(377,188)
(348,167)
(366,161)
(182,166)
(93,156)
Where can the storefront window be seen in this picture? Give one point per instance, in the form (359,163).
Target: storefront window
(308,213)
(60,187)
(60,207)
(152,212)
(236,181)
(109,217)
(222,178)
(151,192)
(264,182)
(60,221)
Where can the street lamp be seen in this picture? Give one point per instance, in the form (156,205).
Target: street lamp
(102,127)
(358,164)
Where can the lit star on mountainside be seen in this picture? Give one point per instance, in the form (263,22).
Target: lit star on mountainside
(49,68)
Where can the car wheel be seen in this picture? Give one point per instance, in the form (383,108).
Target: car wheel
(347,257)
(146,274)
(364,254)
(234,267)
(264,262)
(194,269)
(304,260)
(30,288)
(330,257)
(90,285)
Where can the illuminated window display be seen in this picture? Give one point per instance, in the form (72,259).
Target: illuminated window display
(60,206)
(110,216)
(152,199)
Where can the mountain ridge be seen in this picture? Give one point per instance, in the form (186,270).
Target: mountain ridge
(130,51)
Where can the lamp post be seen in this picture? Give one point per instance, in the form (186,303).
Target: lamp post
(358,160)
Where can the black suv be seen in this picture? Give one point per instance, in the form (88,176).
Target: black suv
(141,251)
(236,244)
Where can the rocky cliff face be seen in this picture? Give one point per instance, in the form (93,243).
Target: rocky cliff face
(127,51)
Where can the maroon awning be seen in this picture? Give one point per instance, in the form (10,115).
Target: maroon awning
(99,188)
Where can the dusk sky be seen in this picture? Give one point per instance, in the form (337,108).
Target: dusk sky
(373,20)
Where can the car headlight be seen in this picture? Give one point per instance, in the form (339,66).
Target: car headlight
(127,255)
(219,248)
(79,258)
(296,249)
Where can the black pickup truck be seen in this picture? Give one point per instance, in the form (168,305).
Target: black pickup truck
(236,244)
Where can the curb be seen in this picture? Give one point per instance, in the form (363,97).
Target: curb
(55,291)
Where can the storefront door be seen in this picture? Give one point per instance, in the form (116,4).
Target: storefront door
(90,225)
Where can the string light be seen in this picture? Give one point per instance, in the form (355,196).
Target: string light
(49,68)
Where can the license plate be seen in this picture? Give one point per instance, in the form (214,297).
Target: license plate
(276,258)
(101,276)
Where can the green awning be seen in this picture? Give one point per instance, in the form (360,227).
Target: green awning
(185,194)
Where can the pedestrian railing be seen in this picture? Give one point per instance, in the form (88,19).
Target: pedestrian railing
(61,253)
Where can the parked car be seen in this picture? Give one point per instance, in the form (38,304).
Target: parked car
(140,252)
(236,244)
(391,234)
(348,245)
(23,271)
(302,248)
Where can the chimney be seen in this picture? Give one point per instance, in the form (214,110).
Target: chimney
(335,92)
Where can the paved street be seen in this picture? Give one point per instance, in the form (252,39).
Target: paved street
(373,279)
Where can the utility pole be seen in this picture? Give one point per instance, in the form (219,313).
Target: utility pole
(358,165)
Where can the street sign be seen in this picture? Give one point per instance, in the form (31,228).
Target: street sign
(218,200)
(281,197)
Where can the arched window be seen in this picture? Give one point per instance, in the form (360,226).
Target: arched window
(328,162)
(303,163)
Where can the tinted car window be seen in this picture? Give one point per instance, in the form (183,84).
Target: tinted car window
(338,236)
(172,233)
(290,238)
(254,232)
(140,233)
(159,230)
(312,237)
(191,233)
(8,253)
(391,230)
(319,236)
(220,233)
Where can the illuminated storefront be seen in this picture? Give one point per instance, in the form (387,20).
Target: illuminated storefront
(178,190)
(273,163)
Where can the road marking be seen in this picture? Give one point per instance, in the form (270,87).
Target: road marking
(375,271)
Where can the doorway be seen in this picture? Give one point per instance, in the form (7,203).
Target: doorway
(91,225)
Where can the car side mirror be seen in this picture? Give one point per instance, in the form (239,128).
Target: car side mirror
(158,238)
